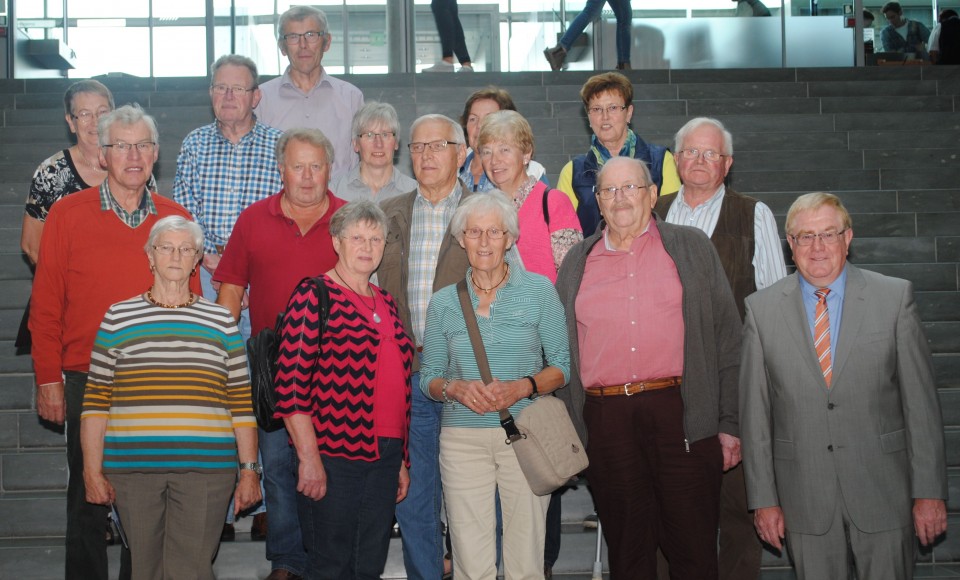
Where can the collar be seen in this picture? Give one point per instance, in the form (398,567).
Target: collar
(837,287)
(108,202)
(286,79)
(652,229)
(454,197)
(712,200)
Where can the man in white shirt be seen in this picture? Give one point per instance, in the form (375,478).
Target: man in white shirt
(745,236)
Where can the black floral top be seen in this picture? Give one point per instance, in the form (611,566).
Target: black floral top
(57,177)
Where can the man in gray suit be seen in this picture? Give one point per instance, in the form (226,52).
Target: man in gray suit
(839,416)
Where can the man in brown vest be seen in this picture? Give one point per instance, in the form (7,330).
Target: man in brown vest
(745,236)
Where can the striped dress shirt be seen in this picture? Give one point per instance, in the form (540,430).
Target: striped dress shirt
(768,262)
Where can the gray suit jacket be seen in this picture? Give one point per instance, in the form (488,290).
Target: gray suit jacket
(874,440)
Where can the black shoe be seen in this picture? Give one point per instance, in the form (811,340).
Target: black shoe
(228,534)
(258,531)
(547,572)
(555,56)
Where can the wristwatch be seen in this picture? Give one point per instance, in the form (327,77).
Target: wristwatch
(254,467)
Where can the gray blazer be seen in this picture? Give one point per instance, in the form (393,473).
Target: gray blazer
(875,436)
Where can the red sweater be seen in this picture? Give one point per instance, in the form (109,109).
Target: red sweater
(89,260)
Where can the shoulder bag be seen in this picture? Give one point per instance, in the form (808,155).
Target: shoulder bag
(543,437)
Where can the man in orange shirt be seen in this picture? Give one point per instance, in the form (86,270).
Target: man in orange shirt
(91,256)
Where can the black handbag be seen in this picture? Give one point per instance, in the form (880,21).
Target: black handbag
(262,353)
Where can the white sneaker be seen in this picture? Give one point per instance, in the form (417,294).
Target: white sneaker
(466,68)
(442,66)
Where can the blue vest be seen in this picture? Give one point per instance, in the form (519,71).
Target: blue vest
(585,178)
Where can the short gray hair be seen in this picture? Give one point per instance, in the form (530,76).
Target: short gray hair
(638,164)
(494,201)
(298,14)
(362,211)
(455,127)
(373,112)
(88,86)
(694,124)
(174,223)
(314,137)
(235,60)
(126,115)
(814,201)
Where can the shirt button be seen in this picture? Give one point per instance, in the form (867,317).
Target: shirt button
(830,406)
(633,349)
(633,322)
(829,447)
(630,274)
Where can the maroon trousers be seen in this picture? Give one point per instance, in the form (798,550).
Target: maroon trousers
(651,490)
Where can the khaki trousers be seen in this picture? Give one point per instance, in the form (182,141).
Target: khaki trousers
(474,464)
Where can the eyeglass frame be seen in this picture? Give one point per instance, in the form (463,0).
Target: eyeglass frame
(609,109)
(86,116)
(831,239)
(633,192)
(418,147)
(488,232)
(359,241)
(372,135)
(700,153)
(319,34)
(182,250)
(235,89)
(124,147)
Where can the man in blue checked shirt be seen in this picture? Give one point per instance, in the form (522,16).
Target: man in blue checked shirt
(223,167)
(227,165)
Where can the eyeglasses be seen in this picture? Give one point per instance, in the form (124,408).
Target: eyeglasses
(84,117)
(142,147)
(708,155)
(235,89)
(435,146)
(370,135)
(358,240)
(492,233)
(312,37)
(628,190)
(168,250)
(828,238)
(610,109)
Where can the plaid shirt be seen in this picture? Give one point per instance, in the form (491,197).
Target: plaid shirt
(428,225)
(216,179)
(134,219)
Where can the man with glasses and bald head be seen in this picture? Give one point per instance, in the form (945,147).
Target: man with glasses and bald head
(305,95)
(420,258)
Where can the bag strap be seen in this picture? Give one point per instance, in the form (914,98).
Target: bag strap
(546,207)
(323,299)
(506,419)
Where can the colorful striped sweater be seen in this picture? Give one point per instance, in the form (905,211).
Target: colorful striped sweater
(174,385)
(332,377)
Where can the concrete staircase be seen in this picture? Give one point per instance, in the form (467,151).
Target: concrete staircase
(887,140)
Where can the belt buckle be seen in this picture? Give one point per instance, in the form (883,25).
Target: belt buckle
(626,389)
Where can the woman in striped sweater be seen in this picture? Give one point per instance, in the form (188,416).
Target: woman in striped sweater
(343,390)
(167,415)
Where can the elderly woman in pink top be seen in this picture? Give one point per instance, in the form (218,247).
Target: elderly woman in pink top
(548,223)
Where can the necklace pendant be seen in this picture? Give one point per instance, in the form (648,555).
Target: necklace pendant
(376,318)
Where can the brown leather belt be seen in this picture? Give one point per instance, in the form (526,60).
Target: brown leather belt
(219,248)
(633,388)
(420,348)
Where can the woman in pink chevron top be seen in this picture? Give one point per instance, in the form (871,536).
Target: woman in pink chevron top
(343,387)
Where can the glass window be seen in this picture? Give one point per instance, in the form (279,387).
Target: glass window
(178,51)
(113,8)
(128,50)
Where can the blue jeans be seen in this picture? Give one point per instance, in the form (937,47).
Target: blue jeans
(347,532)
(621,9)
(244,325)
(419,513)
(284,542)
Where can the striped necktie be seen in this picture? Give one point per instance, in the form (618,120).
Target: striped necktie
(821,335)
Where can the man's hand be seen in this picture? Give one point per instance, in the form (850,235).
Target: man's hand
(312,478)
(929,519)
(51,405)
(730,446)
(404,483)
(247,493)
(769,524)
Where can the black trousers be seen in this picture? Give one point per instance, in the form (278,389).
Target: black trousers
(447,16)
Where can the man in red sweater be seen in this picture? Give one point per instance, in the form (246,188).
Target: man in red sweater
(91,256)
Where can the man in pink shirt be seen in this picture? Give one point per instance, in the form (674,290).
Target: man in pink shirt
(654,344)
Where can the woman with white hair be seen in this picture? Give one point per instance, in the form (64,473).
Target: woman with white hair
(522,325)
(376,138)
(167,415)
